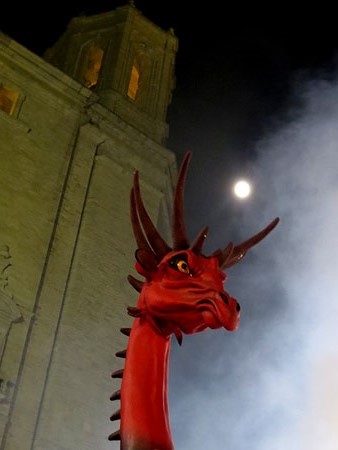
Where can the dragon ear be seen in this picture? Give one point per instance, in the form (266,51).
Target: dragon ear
(146,261)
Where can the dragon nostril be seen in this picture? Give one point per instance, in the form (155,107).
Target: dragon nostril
(238,308)
(224,298)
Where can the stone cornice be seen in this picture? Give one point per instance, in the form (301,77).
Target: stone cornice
(19,58)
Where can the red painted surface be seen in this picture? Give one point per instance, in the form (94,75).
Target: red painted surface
(182,294)
(144,404)
(172,301)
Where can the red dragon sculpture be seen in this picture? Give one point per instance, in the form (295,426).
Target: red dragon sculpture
(182,293)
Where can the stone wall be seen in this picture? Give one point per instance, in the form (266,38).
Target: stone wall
(66,171)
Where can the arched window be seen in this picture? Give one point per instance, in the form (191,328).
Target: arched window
(8,99)
(134,81)
(91,65)
(138,71)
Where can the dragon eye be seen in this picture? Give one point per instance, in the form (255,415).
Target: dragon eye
(180,264)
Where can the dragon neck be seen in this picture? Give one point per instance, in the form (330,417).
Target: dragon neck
(144,399)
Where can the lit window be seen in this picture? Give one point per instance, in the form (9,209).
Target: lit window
(134,83)
(92,65)
(8,99)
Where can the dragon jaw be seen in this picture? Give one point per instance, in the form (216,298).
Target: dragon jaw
(184,293)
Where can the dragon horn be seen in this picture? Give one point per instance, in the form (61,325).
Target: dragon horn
(197,245)
(136,225)
(180,240)
(227,259)
(153,237)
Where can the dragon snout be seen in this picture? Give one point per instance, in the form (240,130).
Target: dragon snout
(219,310)
(225,298)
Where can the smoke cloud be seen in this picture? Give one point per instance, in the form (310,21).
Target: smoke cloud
(273,384)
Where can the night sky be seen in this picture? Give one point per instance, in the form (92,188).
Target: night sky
(256,96)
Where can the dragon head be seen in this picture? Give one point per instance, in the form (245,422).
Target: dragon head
(183,289)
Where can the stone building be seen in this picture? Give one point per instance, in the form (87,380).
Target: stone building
(74,125)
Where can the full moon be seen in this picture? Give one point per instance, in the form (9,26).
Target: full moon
(242,189)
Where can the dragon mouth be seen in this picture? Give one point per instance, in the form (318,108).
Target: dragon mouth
(220,312)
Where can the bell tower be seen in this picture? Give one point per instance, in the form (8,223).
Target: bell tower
(74,127)
(127,61)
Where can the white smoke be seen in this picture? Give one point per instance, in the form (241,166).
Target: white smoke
(273,384)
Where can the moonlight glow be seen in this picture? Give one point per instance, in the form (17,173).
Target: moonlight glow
(242,189)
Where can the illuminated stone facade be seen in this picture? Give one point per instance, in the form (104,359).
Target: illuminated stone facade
(74,126)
